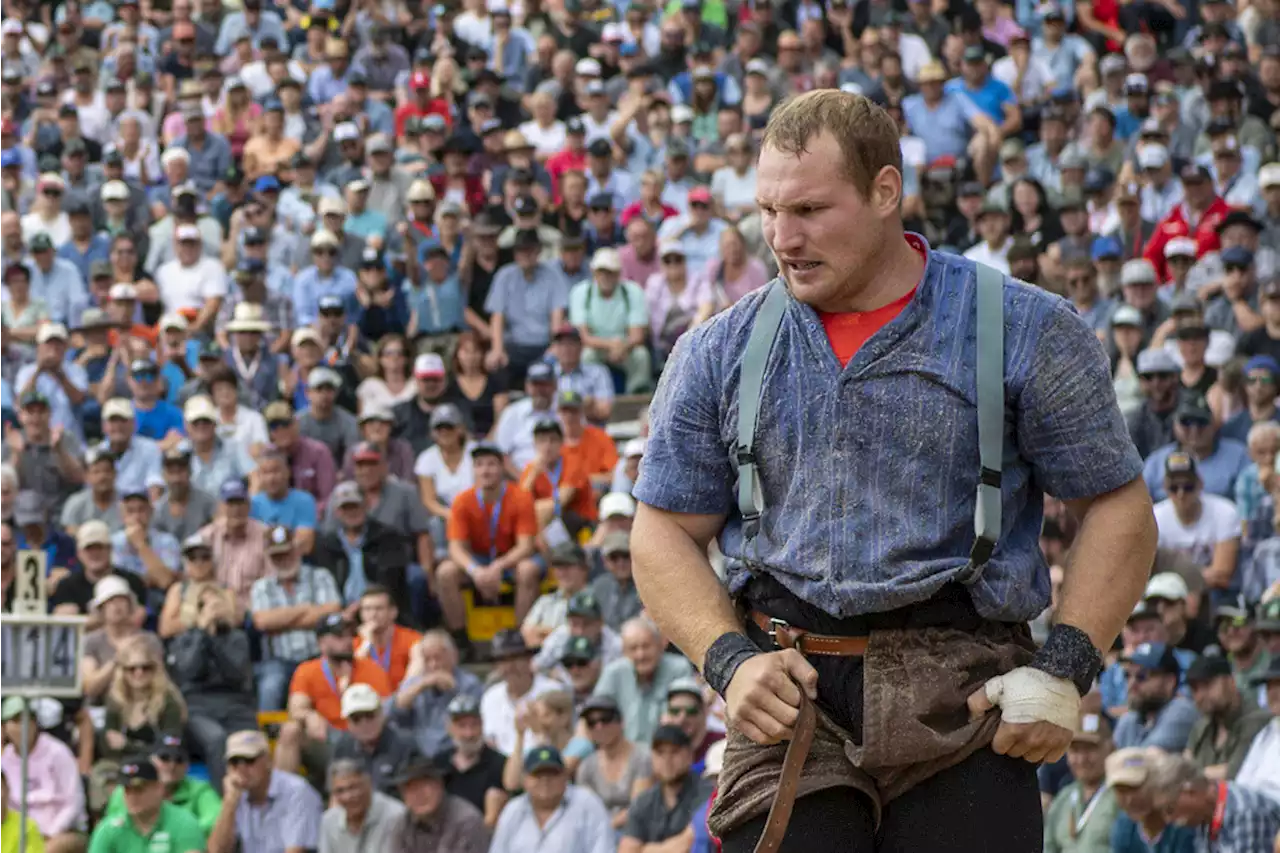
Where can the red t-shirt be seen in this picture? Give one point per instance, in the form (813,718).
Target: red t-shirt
(847,332)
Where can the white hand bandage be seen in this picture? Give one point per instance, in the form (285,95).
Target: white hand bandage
(1027,695)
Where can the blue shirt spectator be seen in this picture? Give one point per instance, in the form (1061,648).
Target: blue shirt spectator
(991,97)
(210,156)
(1218,470)
(311,285)
(296,509)
(945,127)
(156,422)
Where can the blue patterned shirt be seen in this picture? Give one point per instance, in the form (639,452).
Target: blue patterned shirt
(869,472)
(1251,822)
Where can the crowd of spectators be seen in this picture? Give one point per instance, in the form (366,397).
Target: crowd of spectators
(319,319)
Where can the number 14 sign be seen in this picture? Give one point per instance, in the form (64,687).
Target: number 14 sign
(41,655)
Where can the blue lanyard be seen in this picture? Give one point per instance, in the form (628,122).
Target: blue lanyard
(554,476)
(328,676)
(381,659)
(494,514)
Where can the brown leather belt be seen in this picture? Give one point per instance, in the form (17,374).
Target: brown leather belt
(787,636)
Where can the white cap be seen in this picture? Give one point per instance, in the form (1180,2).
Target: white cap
(634,447)
(324,237)
(606,259)
(617,503)
(112,586)
(428,364)
(186,232)
(305,335)
(359,185)
(1153,156)
(122,291)
(117,407)
(11,27)
(329,204)
(1167,585)
(613,32)
(360,699)
(199,408)
(346,131)
(671,247)
(94,532)
(1184,246)
(115,191)
(681,113)
(173,321)
(421,190)
(322,376)
(587,67)
(757,66)
(51,332)
(172,154)
(1269,175)
(1137,271)
(52,179)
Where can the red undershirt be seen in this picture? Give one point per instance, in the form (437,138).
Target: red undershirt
(847,332)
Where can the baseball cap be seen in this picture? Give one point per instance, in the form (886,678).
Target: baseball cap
(543,758)
(1126,315)
(322,377)
(250,743)
(671,735)
(1193,406)
(699,195)
(508,643)
(366,451)
(29,508)
(333,623)
(606,259)
(420,767)
(279,540)
(1167,585)
(117,407)
(233,490)
(51,332)
(464,705)
(1092,728)
(616,542)
(359,699)
(446,414)
(540,371)
(33,398)
(199,408)
(1207,667)
(429,365)
(375,412)
(112,586)
(579,649)
(617,504)
(569,399)
(136,771)
(1155,657)
(171,747)
(486,448)
(346,493)
(93,532)
(685,687)
(1269,617)
(195,542)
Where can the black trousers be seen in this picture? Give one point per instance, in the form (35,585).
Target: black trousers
(988,803)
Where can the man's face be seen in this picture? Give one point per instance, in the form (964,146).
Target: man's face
(1087,760)
(546,787)
(102,475)
(1149,690)
(1184,491)
(236,514)
(171,767)
(1140,295)
(1135,802)
(366,726)
(516,667)
(201,430)
(337,646)
(274,475)
(467,734)
(35,419)
(249,772)
(619,564)
(488,470)
(548,446)
(96,559)
(527,258)
(570,578)
(1214,696)
(143,798)
(377,611)
(422,797)
(1236,635)
(1260,387)
(583,675)
(670,762)
(689,714)
(352,515)
(541,392)
(136,511)
(370,473)
(641,648)
(430,388)
(188,251)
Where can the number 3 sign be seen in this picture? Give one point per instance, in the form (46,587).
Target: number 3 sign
(29,594)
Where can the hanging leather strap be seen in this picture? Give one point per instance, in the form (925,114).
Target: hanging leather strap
(784,799)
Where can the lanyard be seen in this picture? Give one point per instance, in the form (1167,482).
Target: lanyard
(494,514)
(1219,812)
(554,476)
(328,676)
(383,658)
(1078,821)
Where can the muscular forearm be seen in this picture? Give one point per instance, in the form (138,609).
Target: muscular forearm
(1108,568)
(675,580)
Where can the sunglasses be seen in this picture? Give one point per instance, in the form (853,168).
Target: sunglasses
(673,259)
(1182,488)
(1192,423)
(278,424)
(683,710)
(139,667)
(199,556)
(601,720)
(1260,380)
(52,193)
(361,717)
(332,312)
(329,252)
(240,761)
(171,758)
(1137,677)
(1235,267)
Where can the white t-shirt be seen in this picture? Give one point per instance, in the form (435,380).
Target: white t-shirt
(190,287)
(1218,522)
(248,428)
(499,713)
(545,140)
(733,189)
(58,229)
(449,484)
(983,254)
(374,392)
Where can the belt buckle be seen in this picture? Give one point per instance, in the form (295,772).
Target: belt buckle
(774,625)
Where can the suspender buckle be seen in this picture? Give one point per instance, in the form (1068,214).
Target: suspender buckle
(746,456)
(990,477)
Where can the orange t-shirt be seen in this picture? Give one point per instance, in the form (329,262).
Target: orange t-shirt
(571,476)
(847,332)
(309,679)
(395,660)
(595,453)
(470,523)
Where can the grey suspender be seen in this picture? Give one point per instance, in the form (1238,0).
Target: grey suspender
(990,381)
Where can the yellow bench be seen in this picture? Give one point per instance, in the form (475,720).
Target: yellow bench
(270,722)
(485,620)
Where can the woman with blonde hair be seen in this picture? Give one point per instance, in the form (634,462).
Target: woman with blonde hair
(545,721)
(236,117)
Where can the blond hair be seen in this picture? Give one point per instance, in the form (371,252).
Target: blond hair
(189,609)
(867,135)
(146,705)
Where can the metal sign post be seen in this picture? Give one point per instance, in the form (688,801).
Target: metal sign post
(39,657)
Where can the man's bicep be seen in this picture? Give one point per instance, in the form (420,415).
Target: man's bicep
(1068,424)
(686,464)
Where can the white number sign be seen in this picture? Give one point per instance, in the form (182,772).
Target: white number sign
(41,654)
(29,593)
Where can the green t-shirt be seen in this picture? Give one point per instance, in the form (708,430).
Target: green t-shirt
(608,318)
(192,796)
(9,834)
(176,831)
(1074,826)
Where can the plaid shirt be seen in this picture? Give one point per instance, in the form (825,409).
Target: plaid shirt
(1249,825)
(276,310)
(869,471)
(313,586)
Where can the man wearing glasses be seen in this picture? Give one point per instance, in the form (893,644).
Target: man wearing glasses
(687,710)
(323,278)
(263,809)
(1157,716)
(194,796)
(1205,527)
(1219,460)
